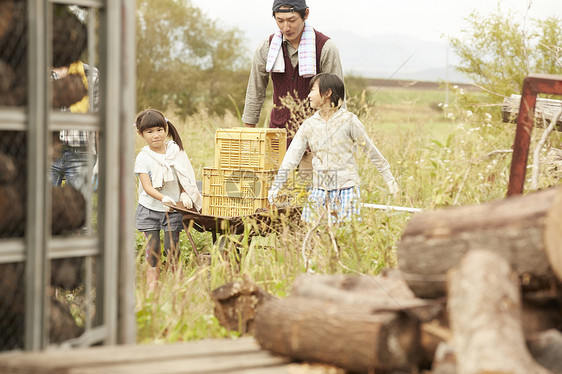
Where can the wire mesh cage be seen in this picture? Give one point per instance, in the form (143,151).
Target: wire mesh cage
(53,57)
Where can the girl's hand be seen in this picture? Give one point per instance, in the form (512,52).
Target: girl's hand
(186,200)
(393,187)
(169,200)
(272,194)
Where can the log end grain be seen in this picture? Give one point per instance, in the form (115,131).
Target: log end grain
(553,244)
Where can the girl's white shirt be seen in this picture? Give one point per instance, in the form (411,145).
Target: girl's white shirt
(167,172)
(334,146)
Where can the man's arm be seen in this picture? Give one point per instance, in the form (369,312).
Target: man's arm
(330,61)
(257,85)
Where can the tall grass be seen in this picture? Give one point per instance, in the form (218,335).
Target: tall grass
(440,155)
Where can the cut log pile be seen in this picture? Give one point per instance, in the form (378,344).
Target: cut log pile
(68,44)
(477,291)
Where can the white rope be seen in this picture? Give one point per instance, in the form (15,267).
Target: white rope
(391,207)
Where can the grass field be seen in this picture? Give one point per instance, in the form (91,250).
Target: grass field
(441,155)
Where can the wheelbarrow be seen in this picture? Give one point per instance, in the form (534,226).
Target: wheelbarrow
(261,223)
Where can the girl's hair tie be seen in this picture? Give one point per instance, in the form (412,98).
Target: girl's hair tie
(135,125)
(165,119)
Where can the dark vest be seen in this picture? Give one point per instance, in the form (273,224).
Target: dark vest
(290,82)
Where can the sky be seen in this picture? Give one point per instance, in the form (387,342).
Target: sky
(426,20)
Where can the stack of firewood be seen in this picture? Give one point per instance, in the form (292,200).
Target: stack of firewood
(68,43)
(545,110)
(477,291)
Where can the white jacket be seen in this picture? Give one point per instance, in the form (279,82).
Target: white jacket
(177,160)
(334,146)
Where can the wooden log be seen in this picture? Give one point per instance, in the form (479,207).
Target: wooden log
(348,336)
(69,36)
(68,90)
(546,348)
(386,292)
(544,109)
(484,307)
(12,22)
(12,219)
(13,52)
(353,289)
(8,169)
(7,79)
(445,360)
(540,311)
(62,325)
(433,334)
(69,41)
(7,12)
(69,209)
(524,229)
(236,304)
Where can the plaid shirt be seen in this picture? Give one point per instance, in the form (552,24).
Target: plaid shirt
(75,138)
(336,205)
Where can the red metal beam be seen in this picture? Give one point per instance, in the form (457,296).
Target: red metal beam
(532,85)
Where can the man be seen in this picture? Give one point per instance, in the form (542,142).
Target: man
(291,56)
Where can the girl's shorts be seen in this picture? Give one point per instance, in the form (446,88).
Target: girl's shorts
(148,220)
(339,205)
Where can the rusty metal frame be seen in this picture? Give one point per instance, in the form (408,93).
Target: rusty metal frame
(533,85)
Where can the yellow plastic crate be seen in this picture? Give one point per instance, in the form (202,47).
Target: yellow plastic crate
(231,192)
(250,148)
(223,206)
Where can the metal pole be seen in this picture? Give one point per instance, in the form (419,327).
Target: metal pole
(126,318)
(38,190)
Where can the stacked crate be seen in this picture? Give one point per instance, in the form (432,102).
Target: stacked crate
(246,162)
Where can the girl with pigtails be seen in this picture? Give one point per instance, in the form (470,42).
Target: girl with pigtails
(166,178)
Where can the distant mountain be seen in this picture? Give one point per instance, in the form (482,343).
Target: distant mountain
(396,56)
(390,55)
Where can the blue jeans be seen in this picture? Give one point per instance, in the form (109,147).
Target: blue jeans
(72,165)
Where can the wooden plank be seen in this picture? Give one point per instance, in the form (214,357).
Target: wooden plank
(193,365)
(544,108)
(293,368)
(61,361)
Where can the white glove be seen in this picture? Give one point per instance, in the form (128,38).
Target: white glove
(393,187)
(186,200)
(272,194)
(169,200)
(387,176)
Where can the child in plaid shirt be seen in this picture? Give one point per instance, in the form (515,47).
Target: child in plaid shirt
(333,135)
(77,146)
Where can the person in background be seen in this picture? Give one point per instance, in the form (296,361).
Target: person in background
(165,177)
(291,56)
(76,146)
(333,135)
